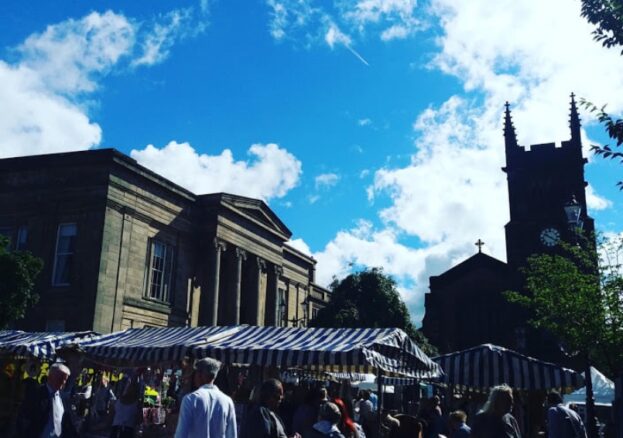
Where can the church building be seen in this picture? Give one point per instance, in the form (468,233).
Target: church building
(465,306)
(124,247)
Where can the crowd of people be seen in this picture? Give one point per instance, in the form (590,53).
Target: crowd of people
(307,412)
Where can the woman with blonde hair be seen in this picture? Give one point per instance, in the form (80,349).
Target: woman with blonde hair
(495,419)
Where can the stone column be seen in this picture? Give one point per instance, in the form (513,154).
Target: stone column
(241,255)
(258,318)
(219,246)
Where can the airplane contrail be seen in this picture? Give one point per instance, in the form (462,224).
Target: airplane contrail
(354,52)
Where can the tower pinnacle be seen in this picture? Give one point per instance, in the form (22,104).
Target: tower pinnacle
(574,120)
(510,137)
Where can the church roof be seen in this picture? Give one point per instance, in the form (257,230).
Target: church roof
(477,261)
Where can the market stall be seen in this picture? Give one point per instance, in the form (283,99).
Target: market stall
(488,365)
(388,351)
(43,345)
(470,374)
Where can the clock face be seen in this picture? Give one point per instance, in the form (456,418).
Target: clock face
(550,236)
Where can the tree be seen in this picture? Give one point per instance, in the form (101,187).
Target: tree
(18,272)
(369,299)
(576,294)
(607,15)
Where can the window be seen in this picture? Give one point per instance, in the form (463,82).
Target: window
(159,271)
(63,260)
(282,308)
(22,238)
(315,312)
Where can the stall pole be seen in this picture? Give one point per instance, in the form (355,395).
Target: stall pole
(379,385)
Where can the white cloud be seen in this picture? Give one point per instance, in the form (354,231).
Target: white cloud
(364,122)
(299,244)
(270,173)
(158,41)
(67,55)
(396,32)
(326,180)
(594,201)
(309,21)
(49,87)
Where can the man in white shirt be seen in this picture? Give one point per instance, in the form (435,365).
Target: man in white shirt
(206,412)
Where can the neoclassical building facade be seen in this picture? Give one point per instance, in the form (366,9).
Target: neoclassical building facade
(124,247)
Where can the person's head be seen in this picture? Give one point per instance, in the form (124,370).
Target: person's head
(435,400)
(329,412)
(500,401)
(57,376)
(366,395)
(206,371)
(553,398)
(103,380)
(457,418)
(271,394)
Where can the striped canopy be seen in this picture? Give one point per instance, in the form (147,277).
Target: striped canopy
(149,346)
(488,365)
(42,345)
(327,349)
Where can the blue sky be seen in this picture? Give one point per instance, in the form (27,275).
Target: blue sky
(371,127)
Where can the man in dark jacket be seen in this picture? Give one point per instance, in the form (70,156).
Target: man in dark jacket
(43,413)
(262,421)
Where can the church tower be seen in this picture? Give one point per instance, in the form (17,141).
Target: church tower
(542,179)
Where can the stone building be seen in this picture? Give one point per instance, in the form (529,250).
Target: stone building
(465,306)
(124,247)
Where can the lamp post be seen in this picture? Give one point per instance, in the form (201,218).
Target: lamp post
(573,211)
(295,321)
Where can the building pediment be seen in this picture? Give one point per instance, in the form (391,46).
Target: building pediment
(254,210)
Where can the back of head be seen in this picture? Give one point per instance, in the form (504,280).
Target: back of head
(330,412)
(458,417)
(208,368)
(554,398)
(499,401)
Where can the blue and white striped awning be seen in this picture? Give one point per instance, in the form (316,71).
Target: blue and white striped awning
(327,349)
(149,346)
(399,381)
(488,365)
(42,345)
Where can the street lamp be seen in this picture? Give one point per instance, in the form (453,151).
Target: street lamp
(295,321)
(573,211)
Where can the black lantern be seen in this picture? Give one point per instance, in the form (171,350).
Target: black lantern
(573,210)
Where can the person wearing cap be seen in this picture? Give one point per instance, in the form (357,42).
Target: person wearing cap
(206,412)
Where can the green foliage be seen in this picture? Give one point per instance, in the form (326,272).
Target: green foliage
(369,299)
(18,272)
(607,15)
(577,296)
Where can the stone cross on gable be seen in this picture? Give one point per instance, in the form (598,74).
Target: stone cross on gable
(479,244)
